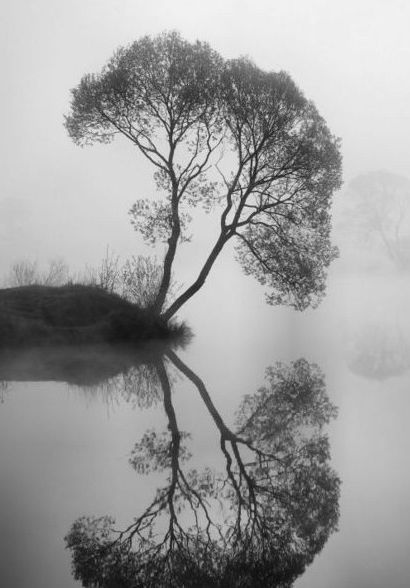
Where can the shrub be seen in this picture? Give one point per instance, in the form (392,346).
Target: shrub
(27,273)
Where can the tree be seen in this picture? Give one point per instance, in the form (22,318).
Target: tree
(256,522)
(379,351)
(227,135)
(376,213)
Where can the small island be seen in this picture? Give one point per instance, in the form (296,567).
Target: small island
(74,314)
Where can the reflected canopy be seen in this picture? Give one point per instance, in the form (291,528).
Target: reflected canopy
(258,520)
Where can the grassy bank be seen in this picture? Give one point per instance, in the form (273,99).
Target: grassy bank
(73,314)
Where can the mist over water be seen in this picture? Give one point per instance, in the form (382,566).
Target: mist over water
(70,419)
(67,438)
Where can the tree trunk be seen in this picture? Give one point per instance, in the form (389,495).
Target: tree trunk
(199,282)
(170,254)
(182,367)
(166,276)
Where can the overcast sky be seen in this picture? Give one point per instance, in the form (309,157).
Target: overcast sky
(351,57)
(58,200)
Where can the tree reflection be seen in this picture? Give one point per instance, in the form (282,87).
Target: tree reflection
(257,522)
(3,390)
(110,370)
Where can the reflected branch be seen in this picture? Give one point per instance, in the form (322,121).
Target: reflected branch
(257,521)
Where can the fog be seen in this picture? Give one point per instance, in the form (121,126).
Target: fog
(59,201)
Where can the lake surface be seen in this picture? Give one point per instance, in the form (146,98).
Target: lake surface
(97,432)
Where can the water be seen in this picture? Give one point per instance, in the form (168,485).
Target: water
(70,421)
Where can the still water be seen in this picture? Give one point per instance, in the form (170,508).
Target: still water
(274,441)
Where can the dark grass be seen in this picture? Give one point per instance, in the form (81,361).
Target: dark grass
(75,314)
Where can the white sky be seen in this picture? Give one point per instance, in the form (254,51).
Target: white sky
(56,199)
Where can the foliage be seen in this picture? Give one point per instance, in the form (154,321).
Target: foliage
(295,398)
(106,275)
(112,302)
(223,135)
(136,279)
(154,452)
(140,280)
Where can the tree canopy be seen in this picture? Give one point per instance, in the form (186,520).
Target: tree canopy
(227,136)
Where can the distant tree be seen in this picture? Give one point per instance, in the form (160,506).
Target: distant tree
(258,522)
(377,213)
(220,134)
(379,351)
